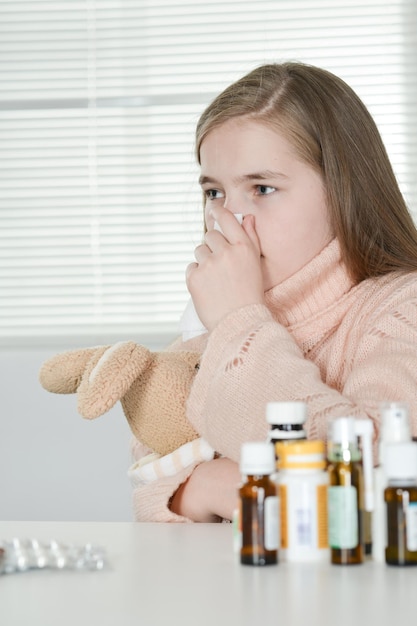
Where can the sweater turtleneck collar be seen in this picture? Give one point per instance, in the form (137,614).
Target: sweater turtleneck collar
(313,291)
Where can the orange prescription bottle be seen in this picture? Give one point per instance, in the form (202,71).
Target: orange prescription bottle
(302,482)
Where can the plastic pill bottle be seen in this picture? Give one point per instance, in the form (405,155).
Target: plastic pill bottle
(302,482)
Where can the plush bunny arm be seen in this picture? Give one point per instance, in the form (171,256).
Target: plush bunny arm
(63,373)
(108,376)
(101,375)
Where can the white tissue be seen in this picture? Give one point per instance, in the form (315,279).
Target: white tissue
(238,216)
(190,324)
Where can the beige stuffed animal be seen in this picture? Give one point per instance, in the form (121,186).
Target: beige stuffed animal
(151,386)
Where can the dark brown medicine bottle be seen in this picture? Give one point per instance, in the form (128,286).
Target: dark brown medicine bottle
(259,514)
(401,503)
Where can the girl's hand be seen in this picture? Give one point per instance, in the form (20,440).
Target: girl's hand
(227,274)
(210,493)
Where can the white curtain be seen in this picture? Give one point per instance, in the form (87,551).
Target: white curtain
(99,205)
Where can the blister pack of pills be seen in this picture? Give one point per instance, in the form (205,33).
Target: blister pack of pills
(22,555)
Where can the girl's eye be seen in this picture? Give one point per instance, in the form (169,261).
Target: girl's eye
(264,190)
(213,194)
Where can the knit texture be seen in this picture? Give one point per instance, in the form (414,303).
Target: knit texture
(341,348)
(155,479)
(155,466)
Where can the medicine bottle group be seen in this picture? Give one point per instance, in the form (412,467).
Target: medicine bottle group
(297,505)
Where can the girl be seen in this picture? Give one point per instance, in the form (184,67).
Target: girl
(313,298)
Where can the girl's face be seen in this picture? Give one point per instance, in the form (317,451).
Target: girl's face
(249,168)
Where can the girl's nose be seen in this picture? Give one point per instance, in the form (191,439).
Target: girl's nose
(235,203)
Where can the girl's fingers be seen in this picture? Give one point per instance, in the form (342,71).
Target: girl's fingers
(213,240)
(249,228)
(230,227)
(201,253)
(232,230)
(189,270)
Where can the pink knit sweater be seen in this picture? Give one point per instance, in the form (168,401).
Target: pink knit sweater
(341,348)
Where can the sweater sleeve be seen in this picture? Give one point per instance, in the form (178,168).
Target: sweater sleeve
(250,360)
(156,478)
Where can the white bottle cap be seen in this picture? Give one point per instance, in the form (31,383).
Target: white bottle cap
(257,457)
(395,425)
(342,430)
(401,461)
(286,412)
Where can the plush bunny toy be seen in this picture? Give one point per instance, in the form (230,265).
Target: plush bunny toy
(151,386)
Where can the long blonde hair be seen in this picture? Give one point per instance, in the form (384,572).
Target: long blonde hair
(331,130)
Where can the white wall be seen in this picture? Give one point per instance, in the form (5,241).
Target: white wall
(54,465)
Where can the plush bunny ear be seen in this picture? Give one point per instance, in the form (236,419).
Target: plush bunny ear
(109,375)
(63,372)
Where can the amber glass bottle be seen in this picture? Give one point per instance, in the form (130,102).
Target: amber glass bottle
(345,494)
(259,513)
(401,503)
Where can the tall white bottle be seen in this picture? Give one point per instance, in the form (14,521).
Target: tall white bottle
(395,428)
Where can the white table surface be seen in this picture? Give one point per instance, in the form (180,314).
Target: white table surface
(188,574)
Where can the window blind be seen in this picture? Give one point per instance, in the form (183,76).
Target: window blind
(99,205)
